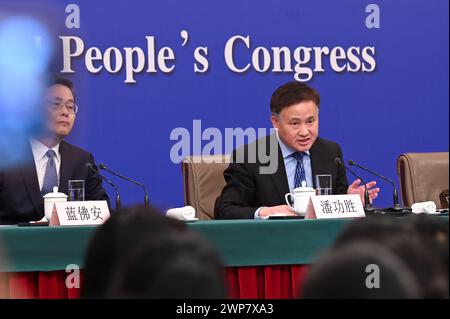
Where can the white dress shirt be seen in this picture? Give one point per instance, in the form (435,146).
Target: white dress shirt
(290,165)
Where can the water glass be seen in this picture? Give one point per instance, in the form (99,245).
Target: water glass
(323,185)
(76,190)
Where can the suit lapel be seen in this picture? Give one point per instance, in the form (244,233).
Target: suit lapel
(65,168)
(31,181)
(316,160)
(280,178)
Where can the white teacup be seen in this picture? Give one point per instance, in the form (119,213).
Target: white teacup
(50,199)
(301,197)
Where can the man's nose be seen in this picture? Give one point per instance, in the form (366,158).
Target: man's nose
(63,111)
(303,130)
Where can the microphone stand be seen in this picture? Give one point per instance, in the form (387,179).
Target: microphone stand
(396,207)
(90,167)
(146,200)
(368,208)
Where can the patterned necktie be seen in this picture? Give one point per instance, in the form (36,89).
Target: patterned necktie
(50,177)
(299,170)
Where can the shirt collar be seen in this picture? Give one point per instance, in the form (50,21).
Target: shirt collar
(40,149)
(287,151)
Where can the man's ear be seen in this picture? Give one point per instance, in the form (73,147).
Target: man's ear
(275,120)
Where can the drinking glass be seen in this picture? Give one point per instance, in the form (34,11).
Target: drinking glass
(323,185)
(76,190)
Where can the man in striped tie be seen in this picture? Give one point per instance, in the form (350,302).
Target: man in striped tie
(300,154)
(53,162)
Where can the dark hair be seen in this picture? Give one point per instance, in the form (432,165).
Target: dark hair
(402,237)
(145,242)
(63,81)
(433,232)
(350,271)
(180,265)
(373,228)
(424,263)
(113,240)
(292,93)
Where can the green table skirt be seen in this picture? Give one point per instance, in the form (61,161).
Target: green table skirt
(239,243)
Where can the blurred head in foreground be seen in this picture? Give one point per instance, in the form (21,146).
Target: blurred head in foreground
(139,253)
(25,54)
(360,270)
(417,244)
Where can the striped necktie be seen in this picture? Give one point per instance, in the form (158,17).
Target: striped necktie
(299,170)
(50,177)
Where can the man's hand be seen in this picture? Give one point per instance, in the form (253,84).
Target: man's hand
(355,188)
(284,209)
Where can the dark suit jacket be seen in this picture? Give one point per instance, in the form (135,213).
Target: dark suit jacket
(246,189)
(20,197)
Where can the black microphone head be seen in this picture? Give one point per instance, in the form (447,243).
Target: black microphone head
(338,161)
(101,166)
(91,168)
(350,162)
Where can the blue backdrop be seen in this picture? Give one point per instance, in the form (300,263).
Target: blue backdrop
(401,106)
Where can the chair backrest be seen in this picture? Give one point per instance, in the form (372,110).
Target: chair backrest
(203,182)
(423,177)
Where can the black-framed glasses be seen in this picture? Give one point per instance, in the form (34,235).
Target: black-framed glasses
(57,105)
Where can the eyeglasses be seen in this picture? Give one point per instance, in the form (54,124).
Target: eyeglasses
(57,105)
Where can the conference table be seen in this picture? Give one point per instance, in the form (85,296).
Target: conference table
(262,258)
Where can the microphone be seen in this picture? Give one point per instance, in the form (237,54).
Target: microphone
(91,167)
(102,166)
(396,205)
(367,204)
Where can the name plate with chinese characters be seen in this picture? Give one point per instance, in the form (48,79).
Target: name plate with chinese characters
(79,213)
(335,206)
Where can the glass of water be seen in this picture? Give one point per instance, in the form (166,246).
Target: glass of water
(323,185)
(76,190)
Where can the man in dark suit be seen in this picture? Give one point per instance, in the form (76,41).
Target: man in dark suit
(53,162)
(299,154)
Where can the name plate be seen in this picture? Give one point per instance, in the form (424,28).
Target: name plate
(335,206)
(79,213)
